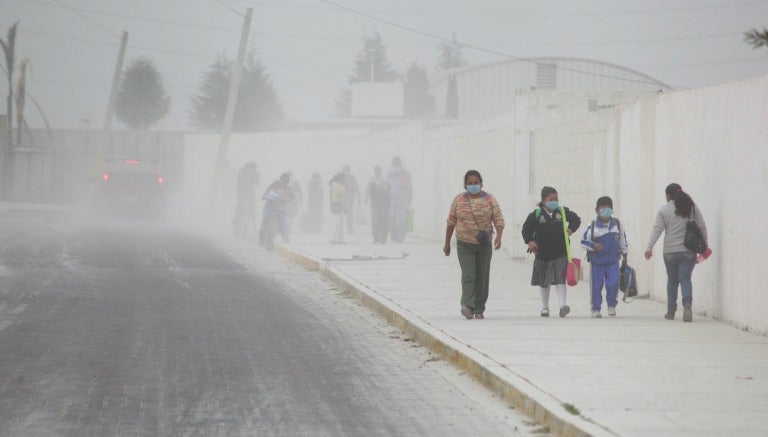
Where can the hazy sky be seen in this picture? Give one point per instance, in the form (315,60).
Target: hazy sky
(308,46)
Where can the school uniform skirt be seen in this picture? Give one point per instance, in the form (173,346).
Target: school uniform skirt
(546,273)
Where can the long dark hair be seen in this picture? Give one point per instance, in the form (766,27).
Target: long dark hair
(683,202)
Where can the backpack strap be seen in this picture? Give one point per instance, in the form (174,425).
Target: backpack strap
(471,210)
(537,213)
(565,233)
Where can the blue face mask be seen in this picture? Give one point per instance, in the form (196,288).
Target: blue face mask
(552,205)
(473,189)
(606,212)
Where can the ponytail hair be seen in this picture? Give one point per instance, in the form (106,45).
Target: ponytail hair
(683,202)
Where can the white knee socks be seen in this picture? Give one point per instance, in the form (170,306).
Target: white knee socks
(544,298)
(560,290)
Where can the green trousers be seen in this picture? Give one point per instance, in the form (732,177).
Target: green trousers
(475,262)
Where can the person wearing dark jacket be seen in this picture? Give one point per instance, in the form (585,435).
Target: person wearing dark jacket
(543,233)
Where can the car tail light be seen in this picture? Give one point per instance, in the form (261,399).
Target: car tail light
(132,162)
(105,177)
(160,180)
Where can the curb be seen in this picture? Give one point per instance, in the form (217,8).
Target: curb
(514,389)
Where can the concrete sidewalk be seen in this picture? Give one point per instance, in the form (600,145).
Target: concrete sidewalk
(635,375)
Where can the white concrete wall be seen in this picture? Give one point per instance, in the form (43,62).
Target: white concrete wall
(712,141)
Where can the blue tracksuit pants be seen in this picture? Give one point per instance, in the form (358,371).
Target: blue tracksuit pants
(608,275)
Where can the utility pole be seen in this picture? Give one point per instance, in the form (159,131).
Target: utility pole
(107,128)
(229,115)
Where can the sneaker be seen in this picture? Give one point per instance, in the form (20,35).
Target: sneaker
(479,316)
(670,315)
(564,311)
(466,312)
(687,315)
(596,314)
(545,312)
(612,312)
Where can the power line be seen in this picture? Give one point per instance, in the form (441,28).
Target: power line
(356,41)
(59,36)
(521,16)
(481,49)
(524,16)
(87,18)
(235,11)
(80,11)
(711,64)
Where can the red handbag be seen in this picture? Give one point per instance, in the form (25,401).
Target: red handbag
(573,273)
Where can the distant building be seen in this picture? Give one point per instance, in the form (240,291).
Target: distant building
(486,90)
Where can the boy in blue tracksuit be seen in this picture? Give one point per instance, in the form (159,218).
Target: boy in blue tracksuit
(606,245)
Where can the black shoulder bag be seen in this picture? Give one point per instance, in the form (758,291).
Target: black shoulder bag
(694,241)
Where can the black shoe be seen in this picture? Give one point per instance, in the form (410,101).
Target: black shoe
(687,315)
(545,312)
(564,311)
(670,315)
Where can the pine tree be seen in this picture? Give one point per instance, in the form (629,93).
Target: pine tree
(756,38)
(449,59)
(450,55)
(419,103)
(452,99)
(141,99)
(258,107)
(372,55)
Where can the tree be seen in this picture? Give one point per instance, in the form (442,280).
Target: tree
(21,99)
(452,99)
(141,99)
(757,39)
(372,55)
(450,58)
(9,52)
(258,107)
(419,103)
(450,55)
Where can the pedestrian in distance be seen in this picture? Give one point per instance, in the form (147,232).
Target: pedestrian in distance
(351,197)
(245,206)
(312,221)
(378,193)
(338,206)
(606,244)
(294,205)
(474,213)
(672,220)
(401,194)
(276,197)
(544,234)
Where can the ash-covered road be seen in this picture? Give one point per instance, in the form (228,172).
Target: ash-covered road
(129,330)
